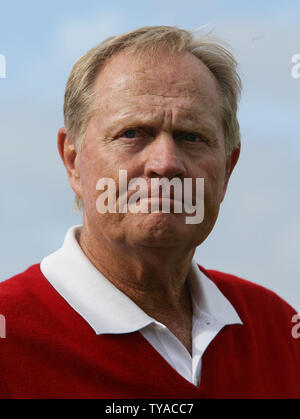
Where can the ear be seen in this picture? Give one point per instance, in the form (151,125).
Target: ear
(231,161)
(69,156)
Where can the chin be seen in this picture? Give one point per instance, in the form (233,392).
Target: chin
(161,221)
(163,230)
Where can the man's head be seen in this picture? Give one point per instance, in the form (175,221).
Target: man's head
(157,103)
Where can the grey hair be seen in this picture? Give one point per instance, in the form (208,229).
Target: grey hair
(80,94)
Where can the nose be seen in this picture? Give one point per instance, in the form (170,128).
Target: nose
(164,158)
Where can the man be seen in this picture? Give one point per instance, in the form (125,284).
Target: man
(122,310)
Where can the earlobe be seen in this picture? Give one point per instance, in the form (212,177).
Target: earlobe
(233,159)
(67,151)
(69,156)
(230,165)
(61,138)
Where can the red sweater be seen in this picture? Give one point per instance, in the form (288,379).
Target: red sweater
(51,352)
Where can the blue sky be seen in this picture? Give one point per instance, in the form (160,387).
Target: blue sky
(257,233)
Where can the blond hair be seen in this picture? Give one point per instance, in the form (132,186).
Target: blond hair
(80,94)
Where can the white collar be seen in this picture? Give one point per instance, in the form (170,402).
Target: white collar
(105,307)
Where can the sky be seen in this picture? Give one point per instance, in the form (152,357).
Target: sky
(257,234)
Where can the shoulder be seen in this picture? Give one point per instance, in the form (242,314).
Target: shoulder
(267,318)
(22,284)
(22,293)
(251,299)
(267,342)
(26,296)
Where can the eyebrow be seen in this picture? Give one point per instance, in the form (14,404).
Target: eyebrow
(184,122)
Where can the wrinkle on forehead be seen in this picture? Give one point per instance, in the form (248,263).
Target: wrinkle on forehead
(114,119)
(126,85)
(147,108)
(183,74)
(158,94)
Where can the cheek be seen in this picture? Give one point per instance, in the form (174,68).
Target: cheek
(96,164)
(93,165)
(213,171)
(214,181)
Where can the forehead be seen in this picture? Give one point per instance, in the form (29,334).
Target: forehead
(180,79)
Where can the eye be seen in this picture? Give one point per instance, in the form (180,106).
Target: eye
(130,133)
(191,137)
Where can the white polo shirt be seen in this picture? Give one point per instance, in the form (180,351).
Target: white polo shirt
(108,310)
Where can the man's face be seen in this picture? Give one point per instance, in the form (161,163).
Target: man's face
(154,119)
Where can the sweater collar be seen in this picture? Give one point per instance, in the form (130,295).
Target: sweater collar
(105,307)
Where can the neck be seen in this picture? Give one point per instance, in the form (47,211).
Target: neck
(154,278)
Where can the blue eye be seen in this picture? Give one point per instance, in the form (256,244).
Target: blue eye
(189,136)
(130,133)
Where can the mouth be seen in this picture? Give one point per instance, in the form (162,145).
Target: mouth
(159,204)
(167,199)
